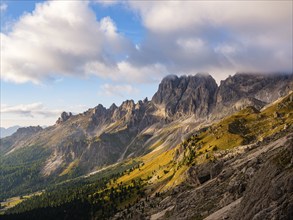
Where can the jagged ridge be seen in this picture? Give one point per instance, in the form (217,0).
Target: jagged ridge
(101,136)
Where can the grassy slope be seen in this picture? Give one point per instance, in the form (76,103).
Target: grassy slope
(247,126)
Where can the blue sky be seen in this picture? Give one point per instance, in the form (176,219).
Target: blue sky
(72,55)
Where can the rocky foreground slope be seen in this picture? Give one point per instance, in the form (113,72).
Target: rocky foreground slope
(254,183)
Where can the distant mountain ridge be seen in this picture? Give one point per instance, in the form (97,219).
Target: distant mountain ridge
(4,132)
(101,136)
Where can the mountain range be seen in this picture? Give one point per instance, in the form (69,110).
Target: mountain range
(190,131)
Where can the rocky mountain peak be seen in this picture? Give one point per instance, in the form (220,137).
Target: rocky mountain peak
(30,129)
(127,105)
(99,110)
(254,89)
(125,108)
(64,117)
(139,105)
(264,87)
(113,107)
(186,94)
(26,131)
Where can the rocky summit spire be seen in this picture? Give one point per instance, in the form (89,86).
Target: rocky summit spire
(186,95)
(64,117)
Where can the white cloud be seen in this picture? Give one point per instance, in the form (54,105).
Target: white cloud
(226,36)
(107,2)
(147,73)
(126,72)
(31,110)
(226,49)
(108,26)
(191,44)
(118,90)
(58,38)
(3,7)
(168,16)
(64,38)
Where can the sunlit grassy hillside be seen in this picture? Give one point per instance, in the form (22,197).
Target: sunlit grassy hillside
(123,184)
(161,170)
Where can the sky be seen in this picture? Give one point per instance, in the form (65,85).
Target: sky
(73,55)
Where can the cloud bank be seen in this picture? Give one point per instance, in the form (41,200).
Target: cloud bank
(217,36)
(61,38)
(31,110)
(182,37)
(118,90)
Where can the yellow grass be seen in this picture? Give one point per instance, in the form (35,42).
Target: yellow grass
(72,165)
(13,201)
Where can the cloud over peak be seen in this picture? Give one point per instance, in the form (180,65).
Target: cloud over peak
(217,36)
(174,16)
(221,37)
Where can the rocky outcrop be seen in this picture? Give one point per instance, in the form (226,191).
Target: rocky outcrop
(17,139)
(186,95)
(204,172)
(64,117)
(243,89)
(28,130)
(269,194)
(255,184)
(264,87)
(199,95)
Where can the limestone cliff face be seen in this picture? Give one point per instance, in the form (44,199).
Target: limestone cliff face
(186,95)
(199,95)
(269,194)
(250,89)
